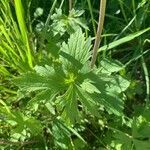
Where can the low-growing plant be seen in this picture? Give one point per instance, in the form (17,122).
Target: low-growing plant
(58,97)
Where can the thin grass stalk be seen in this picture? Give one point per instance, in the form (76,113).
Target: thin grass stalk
(134,13)
(92,17)
(144,66)
(50,13)
(125,28)
(123,11)
(62,2)
(99,31)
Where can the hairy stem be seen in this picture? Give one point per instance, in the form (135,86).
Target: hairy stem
(99,31)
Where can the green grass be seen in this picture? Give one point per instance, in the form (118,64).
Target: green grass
(15,48)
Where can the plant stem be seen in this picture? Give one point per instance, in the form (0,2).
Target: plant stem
(121,3)
(147,81)
(70,5)
(92,17)
(62,2)
(50,13)
(99,31)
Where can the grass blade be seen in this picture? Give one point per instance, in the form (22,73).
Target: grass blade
(23,29)
(123,40)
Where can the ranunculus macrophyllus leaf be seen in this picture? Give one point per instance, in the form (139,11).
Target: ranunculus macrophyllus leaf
(77,50)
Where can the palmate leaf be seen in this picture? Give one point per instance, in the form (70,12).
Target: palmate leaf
(109,66)
(69,104)
(42,79)
(44,97)
(97,95)
(32,82)
(117,84)
(71,23)
(62,134)
(76,87)
(78,48)
(89,87)
(87,101)
(109,88)
(68,101)
(112,103)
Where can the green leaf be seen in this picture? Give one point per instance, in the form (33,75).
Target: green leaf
(142,145)
(69,61)
(44,71)
(141,127)
(109,91)
(71,23)
(22,26)
(68,101)
(61,134)
(46,97)
(78,48)
(32,82)
(34,126)
(76,13)
(6,108)
(21,122)
(123,139)
(112,102)
(89,87)
(87,101)
(123,40)
(110,66)
(117,84)
(44,78)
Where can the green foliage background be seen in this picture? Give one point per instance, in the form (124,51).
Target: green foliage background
(50,98)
